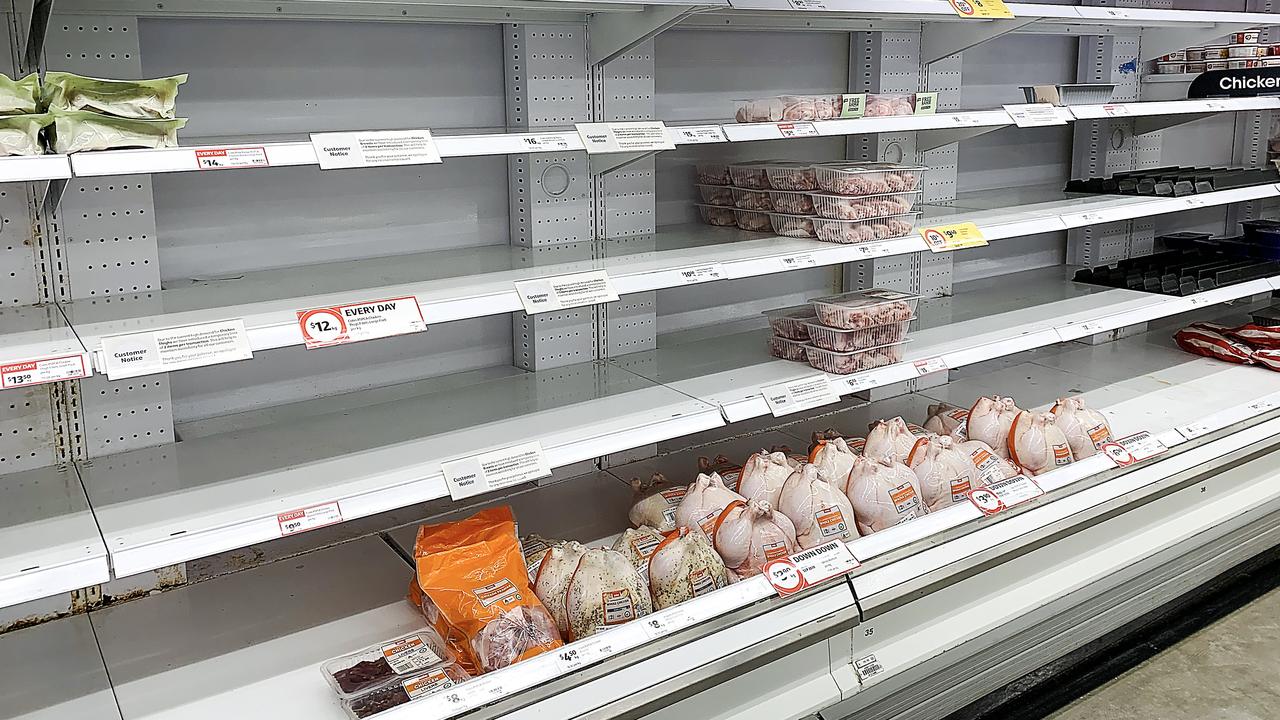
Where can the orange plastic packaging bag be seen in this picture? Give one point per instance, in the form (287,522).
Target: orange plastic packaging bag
(474,578)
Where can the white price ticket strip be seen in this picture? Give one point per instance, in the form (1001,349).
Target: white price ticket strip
(795,262)
(376,148)
(702,273)
(231,158)
(342,324)
(126,356)
(1230,416)
(797,395)
(495,470)
(309,518)
(566,291)
(1001,495)
(1133,449)
(1035,115)
(43,370)
(698,134)
(618,137)
(810,567)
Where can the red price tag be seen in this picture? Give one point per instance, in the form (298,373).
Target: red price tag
(784,576)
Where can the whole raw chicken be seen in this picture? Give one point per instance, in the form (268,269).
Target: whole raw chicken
(730,473)
(534,547)
(890,437)
(553,578)
(748,536)
(703,502)
(883,493)
(1036,444)
(989,421)
(1086,429)
(819,510)
(987,465)
(654,503)
(639,544)
(833,459)
(763,475)
(945,473)
(684,567)
(947,419)
(604,591)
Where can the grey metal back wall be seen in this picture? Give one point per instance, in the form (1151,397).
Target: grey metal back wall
(709,304)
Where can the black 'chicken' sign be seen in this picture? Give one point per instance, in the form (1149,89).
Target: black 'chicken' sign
(1245,82)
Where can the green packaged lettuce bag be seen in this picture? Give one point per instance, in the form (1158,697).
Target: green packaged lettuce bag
(78,130)
(20,134)
(19,96)
(137,99)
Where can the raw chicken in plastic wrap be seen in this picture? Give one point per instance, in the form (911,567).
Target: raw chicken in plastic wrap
(1036,444)
(703,502)
(833,459)
(535,548)
(947,419)
(655,502)
(944,472)
(605,590)
(638,544)
(553,577)
(990,420)
(748,535)
(987,465)
(684,567)
(1086,429)
(883,493)
(763,475)
(885,105)
(890,438)
(819,510)
(728,471)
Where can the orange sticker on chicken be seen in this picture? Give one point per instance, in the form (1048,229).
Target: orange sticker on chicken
(618,606)
(831,522)
(904,497)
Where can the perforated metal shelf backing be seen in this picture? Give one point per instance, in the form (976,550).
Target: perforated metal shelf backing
(623,92)
(126,414)
(19,281)
(26,430)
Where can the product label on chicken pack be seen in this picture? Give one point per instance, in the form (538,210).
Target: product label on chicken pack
(503,590)
(618,606)
(427,684)
(126,356)
(960,490)
(409,653)
(566,291)
(774,550)
(495,470)
(43,370)
(701,582)
(341,324)
(645,545)
(904,498)
(831,522)
(1099,434)
(1061,455)
(708,523)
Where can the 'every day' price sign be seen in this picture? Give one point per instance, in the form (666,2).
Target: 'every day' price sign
(341,324)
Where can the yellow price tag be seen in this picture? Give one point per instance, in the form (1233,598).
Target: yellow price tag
(980,9)
(946,238)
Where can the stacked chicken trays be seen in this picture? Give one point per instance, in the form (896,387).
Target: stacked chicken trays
(845,333)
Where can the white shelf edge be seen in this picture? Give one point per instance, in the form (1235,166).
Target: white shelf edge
(939,10)
(33,168)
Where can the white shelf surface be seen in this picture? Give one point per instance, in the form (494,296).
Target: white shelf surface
(29,168)
(50,540)
(985,320)
(164,505)
(32,689)
(940,10)
(1174,107)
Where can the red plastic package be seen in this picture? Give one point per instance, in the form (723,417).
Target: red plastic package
(1257,336)
(1199,340)
(1269,359)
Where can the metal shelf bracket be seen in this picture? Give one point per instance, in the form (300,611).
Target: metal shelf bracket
(942,39)
(1158,41)
(1155,123)
(931,139)
(601,164)
(612,34)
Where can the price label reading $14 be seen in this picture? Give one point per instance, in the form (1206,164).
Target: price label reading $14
(946,238)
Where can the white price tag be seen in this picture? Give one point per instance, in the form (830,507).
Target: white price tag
(1258,407)
(796,395)
(1216,106)
(702,273)
(1116,13)
(1075,331)
(566,291)
(1133,449)
(1195,430)
(867,667)
(665,622)
(547,143)
(43,370)
(797,129)
(126,356)
(1115,110)
(483,690)
(1034,115)
(308,518)
(495,469)
(342,324)
(229,158)
(965,119)
(810,567)
(1194,201)
(699,134)
(374,148)
(793,262)
(860,381)
(807,4)
(624,137)
(932,365)
(1015,490)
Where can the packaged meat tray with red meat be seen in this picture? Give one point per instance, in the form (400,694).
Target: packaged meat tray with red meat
(793,225)
(721,195)
(750,175)
(848,232)
(792,322)
(829,338)
(713,174)
(745,199)
(791,176)
(403,690)
(795,202)
(855,207)
(390,660)
(865,308)
(845,363)
(868,178)
(787,349)
(752,220)
(717,215)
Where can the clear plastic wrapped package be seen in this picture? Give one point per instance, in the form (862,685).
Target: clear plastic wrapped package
(78,131)
(753,220)
(19,96)
(751,200)
(20,134)
(718,215)
(787,349)
(793,225)
(865,308)
(750,175)
(136,99)
(844,363)
(403,690)
(829,338)
(789,107)
(867,230)
(713,174)
(868,178)
(858,207)
(391,660)
(792,322)
(795,203)
(791,176)
(721,195)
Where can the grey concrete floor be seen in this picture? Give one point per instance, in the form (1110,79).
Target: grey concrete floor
(1229,670)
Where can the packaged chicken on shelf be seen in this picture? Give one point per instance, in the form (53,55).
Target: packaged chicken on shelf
(791,176)
(136,99)
(893,104)
(19,96)
(79,130)
(391,660)
(753,220)
(792,322)
(20,134)
(845,363)
(829,338)
(713,174)
(403,690)
(865,308)
(745,199)
(786,349)
(858,207)
(793,202)
(718,215)
(750,175)
(868,178)
(850,232)
(789,107)
(721,195)
(797,226)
